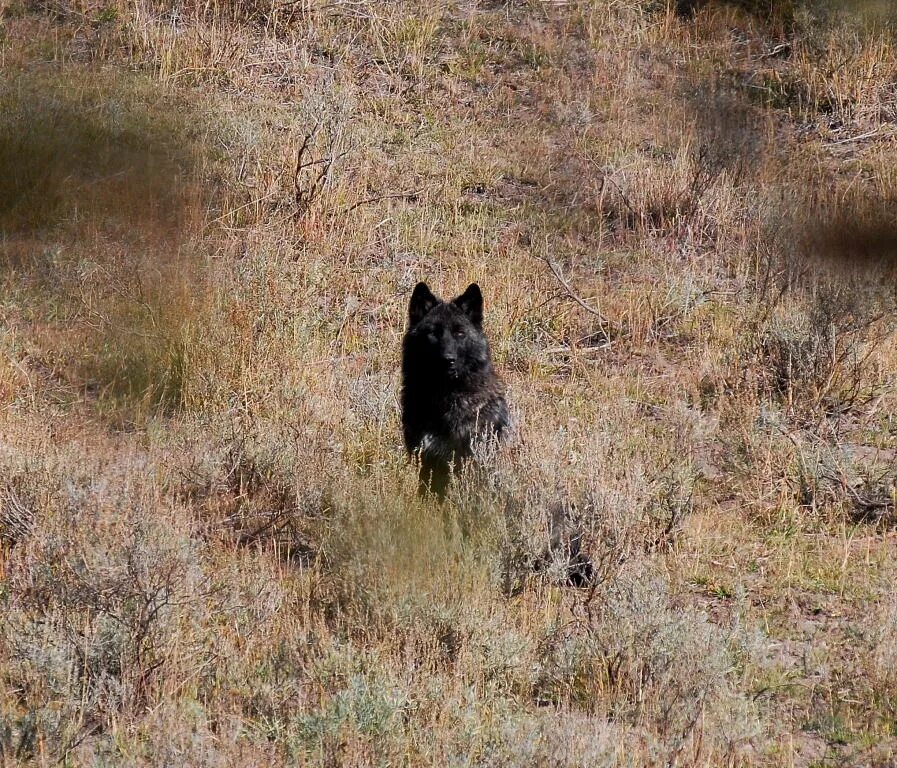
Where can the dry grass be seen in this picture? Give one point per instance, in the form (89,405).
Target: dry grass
(211,217)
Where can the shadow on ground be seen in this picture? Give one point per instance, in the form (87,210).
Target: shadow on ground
(101,208)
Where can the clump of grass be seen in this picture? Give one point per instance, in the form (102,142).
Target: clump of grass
(814,364)
(143,327)
(655,667)
(613,176)
(95,614)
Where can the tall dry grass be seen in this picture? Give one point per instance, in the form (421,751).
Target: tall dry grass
(212,215)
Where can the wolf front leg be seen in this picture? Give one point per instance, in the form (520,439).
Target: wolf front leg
(434,476)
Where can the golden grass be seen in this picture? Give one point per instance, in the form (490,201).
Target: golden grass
(211,217)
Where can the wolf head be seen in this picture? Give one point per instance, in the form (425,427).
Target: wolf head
(445,342)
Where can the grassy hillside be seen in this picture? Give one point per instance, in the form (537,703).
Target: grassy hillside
(683,217)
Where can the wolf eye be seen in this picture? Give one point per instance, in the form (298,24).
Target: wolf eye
(458,333)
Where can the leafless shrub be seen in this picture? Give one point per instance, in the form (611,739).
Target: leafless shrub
(312,173)
(91,616)
(834,477)
(640,660)
(819,359)
(669,203)
(251,494)
(817,365)
(285,179)
(646,516)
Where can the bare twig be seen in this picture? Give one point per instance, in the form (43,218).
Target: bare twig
(308,187)
(782,50)
(412,196)
(606,325)
(861,137)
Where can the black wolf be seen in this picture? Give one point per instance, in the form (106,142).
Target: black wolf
(451,395)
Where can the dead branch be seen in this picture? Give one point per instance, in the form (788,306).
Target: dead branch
(412,196)
(606,325)
(308,186)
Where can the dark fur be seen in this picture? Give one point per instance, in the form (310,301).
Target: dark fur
(565,548)
(451,395)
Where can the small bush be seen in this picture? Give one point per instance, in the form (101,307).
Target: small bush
(91,615)
(643,662)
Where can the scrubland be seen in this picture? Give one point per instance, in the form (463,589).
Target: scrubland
(684,220)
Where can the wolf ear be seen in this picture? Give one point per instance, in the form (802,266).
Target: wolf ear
(471,302)
(422,301)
